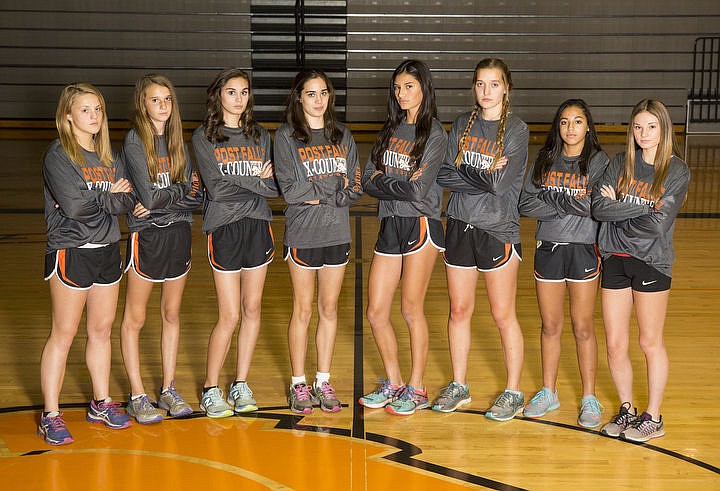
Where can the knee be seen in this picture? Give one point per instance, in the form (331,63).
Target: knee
(583,331)
(412,310)
(327,310)
(376,316)
(651,344)
(171,317)
(133,321)
(302,313)
(552,329)
(460,312)
(251,311)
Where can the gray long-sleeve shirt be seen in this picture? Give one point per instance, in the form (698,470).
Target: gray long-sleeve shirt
(483,198)
(230,171)
(315,171)
(167,202)
(398,195)
(79,207)
(638,225)
(561,204)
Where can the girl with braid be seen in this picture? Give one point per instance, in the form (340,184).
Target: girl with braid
(401,173)
(484,168)
(233,154)
(159,246)
(637,200)
(557,193)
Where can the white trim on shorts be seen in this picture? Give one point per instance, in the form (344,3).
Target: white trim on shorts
(238,270)
(315,268)
(131,264)
(567,279)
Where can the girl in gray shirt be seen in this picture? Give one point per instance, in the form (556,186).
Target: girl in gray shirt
(636,201)
(317,169)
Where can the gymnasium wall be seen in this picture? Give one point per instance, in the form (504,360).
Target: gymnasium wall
(611,53)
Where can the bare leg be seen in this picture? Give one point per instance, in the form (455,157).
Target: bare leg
(170,303)
(136,298)
(227,287)
(461,288)
(101,309)
(551,302)
(582,308)
(303,282)
(330,281)
(650,309)
(253,283)
(384,278)
(617,308)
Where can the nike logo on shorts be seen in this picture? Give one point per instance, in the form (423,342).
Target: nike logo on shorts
(411,242)
(497,258)
(646,283)
(269,251)
(588,270)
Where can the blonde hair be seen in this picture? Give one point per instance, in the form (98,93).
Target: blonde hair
(147,132)
(500,65)
(69,142)
(666,147)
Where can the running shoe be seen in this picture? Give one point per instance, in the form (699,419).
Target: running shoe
(643,429)
(173,403)
(143,410)
(300,399)
(590,412)
(408,401)
(214,405)
(108,412)
(53,429)
(241,398)
(621,421)
(381,396)
(325,395)
(452,397)
(545,400)
(506,406)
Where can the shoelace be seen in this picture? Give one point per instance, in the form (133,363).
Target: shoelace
(175,396)
(384,387)
(57,423)
(540,396)
(450,392)
(302,392)
(113,407)
(327,391)
(593,406)
(504,399)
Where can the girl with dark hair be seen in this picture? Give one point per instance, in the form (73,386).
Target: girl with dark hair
(84,192)
(401,173)
(637,200)
(234,158)
(557,193)
(484,167)
(317,169)
(158,249)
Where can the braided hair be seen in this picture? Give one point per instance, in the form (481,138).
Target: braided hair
(502,67)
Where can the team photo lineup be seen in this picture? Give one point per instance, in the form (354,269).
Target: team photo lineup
(604,222)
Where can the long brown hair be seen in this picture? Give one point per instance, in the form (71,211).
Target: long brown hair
(103,149)
(214,119)
(666,147)
(500,65)
(147,132)
(295,116)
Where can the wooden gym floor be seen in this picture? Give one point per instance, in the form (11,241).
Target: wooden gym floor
(356,448)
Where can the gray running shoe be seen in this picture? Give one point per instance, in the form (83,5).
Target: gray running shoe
(241,398)
(143,410)
(300,399)
(173,403)
(590,412)
(643,429)
(452,397)
(542,402)
(214,405)
(620,422)
(325,397)
(506,406)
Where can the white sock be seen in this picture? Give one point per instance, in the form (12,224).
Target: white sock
(135,398)
(298,380)
(321,377)
(516,392)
